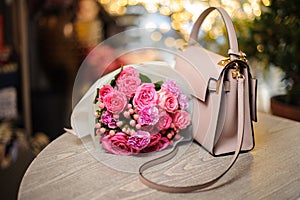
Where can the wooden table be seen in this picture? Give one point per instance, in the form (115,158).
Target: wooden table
(66,170)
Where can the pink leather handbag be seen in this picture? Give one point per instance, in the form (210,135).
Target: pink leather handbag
(224,93)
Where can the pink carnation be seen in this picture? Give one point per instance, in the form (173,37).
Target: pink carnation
(128,71)
(115,102)
(183,101)
(148,115)
(145,96)
(139,141)
(167,101)
(128,81)
(172,87)
(108,119)
(181,119)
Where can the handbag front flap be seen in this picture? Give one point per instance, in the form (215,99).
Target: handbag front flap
(198,66)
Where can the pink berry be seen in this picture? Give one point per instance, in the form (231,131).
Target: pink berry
(132,122)
(138,126)
(172,125)
(102,130)
(126,114)
(135,116)
(111,133)
(116,116)
(119,123)
(98,125)
(101,105)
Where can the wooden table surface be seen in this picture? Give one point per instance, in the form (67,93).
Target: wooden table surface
(65,169)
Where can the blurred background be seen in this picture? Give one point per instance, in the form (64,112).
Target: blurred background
(44,42)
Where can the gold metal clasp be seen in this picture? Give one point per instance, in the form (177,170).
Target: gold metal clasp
(236,73)
(224,62)
(218,86)
(241,56)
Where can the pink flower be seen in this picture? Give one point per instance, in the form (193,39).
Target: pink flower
(157,143)
(148,115)
(118,144)
(108,119)
(164,121)
(181,119)
(115,101)
(183,102)
(128,81)
(149,128)
(128,71)
(129,85)
(167,101)
(139,141)
(145,96)
(104,91)
(171,86)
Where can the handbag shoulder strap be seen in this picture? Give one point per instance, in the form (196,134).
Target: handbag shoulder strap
(167,157)
(233,43)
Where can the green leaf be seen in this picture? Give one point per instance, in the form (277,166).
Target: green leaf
(97,96)
(158,85)
(113,81)
(145,79)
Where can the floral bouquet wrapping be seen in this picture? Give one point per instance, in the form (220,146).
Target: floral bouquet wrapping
(134,114)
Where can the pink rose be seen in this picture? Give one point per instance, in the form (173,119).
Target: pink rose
(118,144)
(145,96)
(157,143)
(148,115)
(128,81)
(167,101)
(104,91)
(115,102)
(164,121)
(181,119)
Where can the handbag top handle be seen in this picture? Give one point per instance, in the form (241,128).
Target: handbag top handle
(233,51)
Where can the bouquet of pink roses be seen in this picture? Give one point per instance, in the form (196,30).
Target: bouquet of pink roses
(134,115)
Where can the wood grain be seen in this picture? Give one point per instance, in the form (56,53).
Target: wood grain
(66,170)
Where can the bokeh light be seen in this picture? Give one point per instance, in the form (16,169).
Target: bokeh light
(183,14)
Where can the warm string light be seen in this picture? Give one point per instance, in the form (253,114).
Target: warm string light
(183,13)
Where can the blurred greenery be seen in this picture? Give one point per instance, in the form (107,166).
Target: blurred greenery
(274,39)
